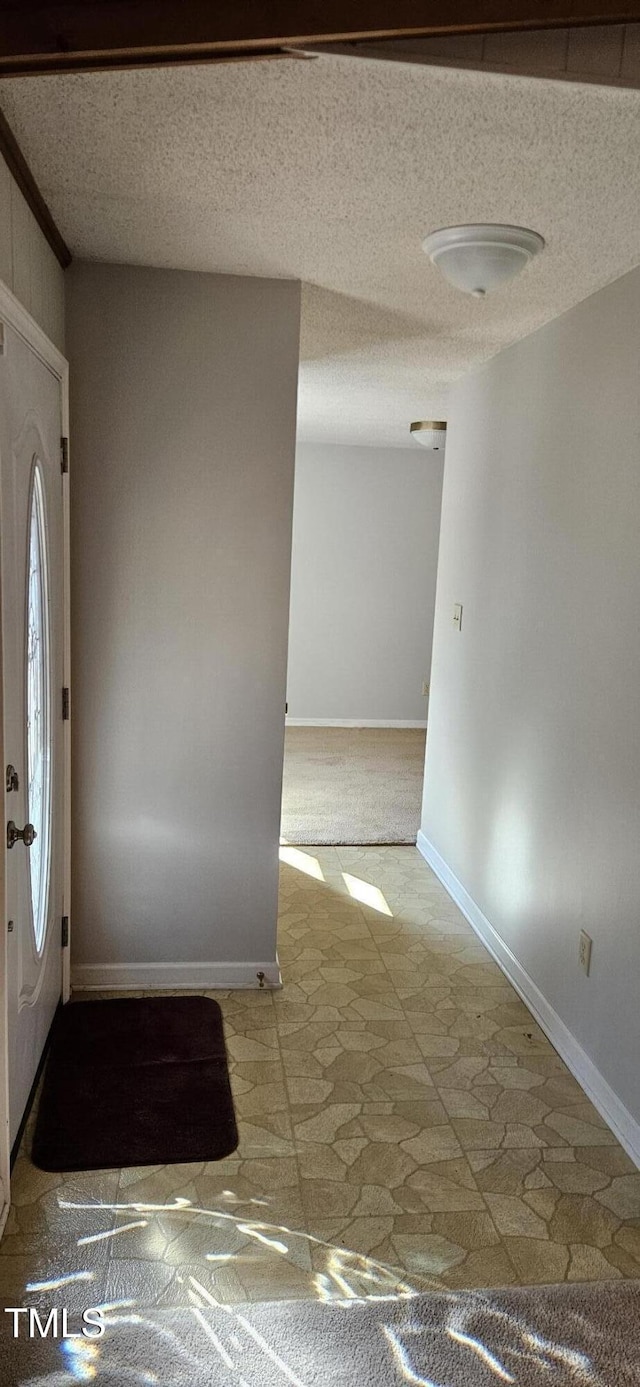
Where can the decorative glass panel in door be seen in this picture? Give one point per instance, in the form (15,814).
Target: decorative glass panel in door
(38,711)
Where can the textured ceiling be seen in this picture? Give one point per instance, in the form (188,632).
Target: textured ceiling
(332,171)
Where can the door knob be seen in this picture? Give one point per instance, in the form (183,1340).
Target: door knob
(26,835)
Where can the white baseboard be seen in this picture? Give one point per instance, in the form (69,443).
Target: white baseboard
(607,1103)
(133,977)
(352,722)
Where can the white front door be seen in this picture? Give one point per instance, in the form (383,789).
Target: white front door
(32,575)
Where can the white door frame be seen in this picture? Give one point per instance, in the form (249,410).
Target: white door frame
(16,317)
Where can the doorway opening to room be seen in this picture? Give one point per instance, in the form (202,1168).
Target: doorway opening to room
(365,545)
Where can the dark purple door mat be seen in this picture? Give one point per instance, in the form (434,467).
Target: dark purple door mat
(135,1081)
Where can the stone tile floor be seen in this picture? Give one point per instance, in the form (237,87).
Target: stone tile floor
(404,1124)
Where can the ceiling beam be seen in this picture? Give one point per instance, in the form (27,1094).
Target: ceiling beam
(75,35)
(18,166)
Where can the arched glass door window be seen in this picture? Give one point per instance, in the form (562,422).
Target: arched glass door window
(38,711)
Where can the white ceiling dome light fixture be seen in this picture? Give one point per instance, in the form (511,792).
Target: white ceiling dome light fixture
(480,258)
(431,433)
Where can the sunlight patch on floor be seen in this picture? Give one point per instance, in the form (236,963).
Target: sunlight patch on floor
(367,894)
(302,861)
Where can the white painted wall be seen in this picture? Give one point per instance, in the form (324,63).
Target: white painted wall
(28,266)
(365,546)
(183,428)
(532,793)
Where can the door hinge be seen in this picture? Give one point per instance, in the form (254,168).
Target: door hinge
(64,934)
(66,706)
(64,455)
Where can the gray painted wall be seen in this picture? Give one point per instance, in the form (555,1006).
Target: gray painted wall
(183,427)
(363,578)
(532,793)
(28,266)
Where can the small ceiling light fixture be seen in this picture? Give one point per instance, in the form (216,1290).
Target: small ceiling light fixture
(479,258)
(431,433)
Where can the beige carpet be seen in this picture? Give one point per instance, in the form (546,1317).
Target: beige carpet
(352,784)
(546,1336)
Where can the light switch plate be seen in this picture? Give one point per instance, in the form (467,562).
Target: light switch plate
(457,615)
(585,951)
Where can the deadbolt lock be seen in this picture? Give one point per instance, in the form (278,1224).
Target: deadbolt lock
(12,782)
